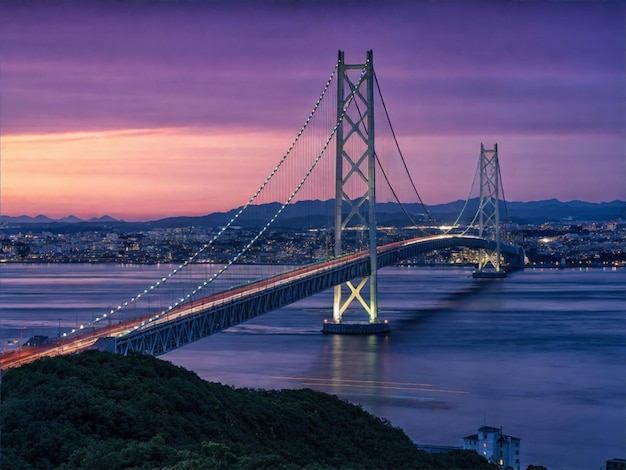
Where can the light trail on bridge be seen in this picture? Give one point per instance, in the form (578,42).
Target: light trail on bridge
(371,384)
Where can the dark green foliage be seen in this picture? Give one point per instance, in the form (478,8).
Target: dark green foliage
(103,411)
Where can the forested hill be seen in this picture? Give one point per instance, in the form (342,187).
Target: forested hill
(104,411)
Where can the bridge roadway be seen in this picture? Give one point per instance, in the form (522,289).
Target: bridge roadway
(157,334)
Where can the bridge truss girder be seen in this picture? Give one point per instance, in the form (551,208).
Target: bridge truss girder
(161,338)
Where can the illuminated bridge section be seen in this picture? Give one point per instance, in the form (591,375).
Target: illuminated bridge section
(201,318)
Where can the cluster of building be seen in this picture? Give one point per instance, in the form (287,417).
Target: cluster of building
(160,245)
(580,244)
(545,245)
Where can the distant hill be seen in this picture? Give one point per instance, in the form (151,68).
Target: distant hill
(551,210)
(306,214)
(43,219)
(103,219)
(105,411)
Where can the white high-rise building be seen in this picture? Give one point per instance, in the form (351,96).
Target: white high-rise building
(495,446)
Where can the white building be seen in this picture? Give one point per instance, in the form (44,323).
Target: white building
(495,446)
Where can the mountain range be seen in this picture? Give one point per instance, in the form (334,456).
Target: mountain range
(321,213)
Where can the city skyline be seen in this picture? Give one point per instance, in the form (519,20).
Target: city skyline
(145,110)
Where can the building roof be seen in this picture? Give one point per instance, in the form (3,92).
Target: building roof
(492,430)
(489,429)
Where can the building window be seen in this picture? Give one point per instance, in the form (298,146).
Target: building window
(517,452)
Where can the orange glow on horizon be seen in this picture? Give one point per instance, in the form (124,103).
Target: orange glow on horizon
(134,174)
(148,174)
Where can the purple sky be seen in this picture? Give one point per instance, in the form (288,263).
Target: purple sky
(543,79)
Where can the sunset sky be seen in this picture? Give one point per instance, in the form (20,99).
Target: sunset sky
(142,110)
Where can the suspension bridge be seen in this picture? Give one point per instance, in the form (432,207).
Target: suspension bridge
(194,300)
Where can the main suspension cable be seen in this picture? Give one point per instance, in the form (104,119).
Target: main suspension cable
(409,174)
(380,166)
(469,195)
(393,133)
(506,210)
(271,221)
(193,257)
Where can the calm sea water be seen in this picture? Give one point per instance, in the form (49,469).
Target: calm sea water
(541,353)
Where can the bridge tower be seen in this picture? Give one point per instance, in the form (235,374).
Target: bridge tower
(355,192)
(489,260)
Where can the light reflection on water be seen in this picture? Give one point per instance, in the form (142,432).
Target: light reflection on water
(541,353)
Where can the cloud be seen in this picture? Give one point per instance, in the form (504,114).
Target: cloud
(135,174)
(132,78)
(116,66)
